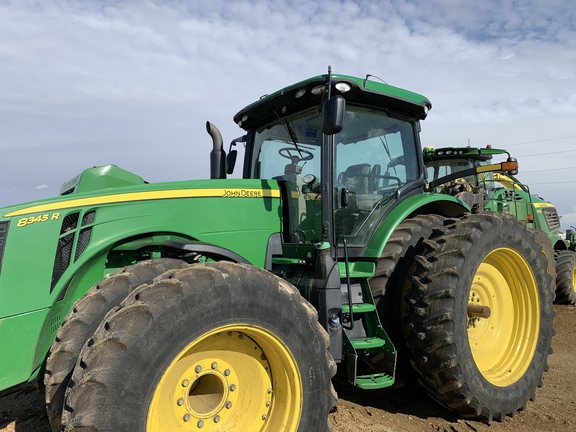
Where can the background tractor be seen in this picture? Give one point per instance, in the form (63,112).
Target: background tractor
(503,192)
(227,304)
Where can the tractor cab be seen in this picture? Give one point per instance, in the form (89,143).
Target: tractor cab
(359,168)
(374,157)
(467,173)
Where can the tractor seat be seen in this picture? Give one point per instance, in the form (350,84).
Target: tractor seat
(357,179)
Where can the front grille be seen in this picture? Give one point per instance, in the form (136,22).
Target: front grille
(3,235)
(89,218)
(85,233)
(552,219)
(64,248)
(83,240)
(62,259)
(70,222)
(75,235)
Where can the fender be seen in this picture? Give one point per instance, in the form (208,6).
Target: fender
(417,204)
(217,253)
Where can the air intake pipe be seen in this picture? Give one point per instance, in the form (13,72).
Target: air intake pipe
(217,155)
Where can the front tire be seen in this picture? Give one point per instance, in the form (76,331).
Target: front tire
(478,366)
(216,346)
(82,321)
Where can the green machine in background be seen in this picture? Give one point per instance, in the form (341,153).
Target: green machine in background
(503,192)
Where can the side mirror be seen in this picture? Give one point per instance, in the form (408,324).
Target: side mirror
(333,115)
(231,161)
(232,154)
(515,171)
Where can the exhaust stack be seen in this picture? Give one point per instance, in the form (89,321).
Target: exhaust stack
(217,155)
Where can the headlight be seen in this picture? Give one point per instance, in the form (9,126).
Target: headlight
(342,87)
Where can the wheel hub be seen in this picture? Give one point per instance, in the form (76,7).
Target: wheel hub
(476,311)
(224,381)
(209,390)
(207,394)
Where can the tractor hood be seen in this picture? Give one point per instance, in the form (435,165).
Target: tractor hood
(100,177)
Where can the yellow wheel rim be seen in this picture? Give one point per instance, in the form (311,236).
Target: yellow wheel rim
(503,345)
(236,377)
(574,279)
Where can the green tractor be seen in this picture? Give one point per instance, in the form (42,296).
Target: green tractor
(503,192)
(227,304)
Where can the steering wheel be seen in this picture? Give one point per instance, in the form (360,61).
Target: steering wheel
(296,155)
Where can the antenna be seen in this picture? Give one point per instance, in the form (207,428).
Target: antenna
(329,82)
(373,76)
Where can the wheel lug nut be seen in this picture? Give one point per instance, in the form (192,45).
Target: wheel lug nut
(228,405)
(180,402)
(227,372)
(200,423)
(198,369)
(186,417)
(214,365)
(185,383)
(216,418)
(232,387)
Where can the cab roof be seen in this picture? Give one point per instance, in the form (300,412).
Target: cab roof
(441,153)
(299,96)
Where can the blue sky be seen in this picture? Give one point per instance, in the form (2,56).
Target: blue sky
(86,83)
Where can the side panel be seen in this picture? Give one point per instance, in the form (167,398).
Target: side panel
(18,345)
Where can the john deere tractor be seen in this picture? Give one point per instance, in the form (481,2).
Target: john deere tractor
(503,192)
(227,304)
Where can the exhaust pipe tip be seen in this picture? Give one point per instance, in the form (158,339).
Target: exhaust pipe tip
(217,155)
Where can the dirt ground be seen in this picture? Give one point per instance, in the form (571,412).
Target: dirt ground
(406,409)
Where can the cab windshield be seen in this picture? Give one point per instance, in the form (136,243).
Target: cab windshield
(443,167)
(375,155)
(440,168)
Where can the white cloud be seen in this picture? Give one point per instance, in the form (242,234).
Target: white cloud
(133,82)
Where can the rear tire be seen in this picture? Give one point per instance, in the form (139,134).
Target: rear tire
(390,281)
(82,321)
(487,367)
(398,254)
(566,278)
(547,250)
(218,345)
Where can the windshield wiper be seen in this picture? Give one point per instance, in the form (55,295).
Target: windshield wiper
(291,133)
